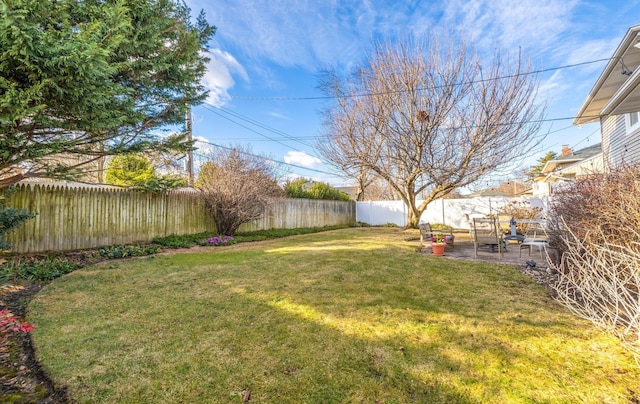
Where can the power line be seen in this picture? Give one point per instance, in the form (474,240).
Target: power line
(244,126)
(444,128)
(588,136)
(263,139)
(305,168)
(291,138)
(263,126)
(329,97)
(260,125)
(268,158)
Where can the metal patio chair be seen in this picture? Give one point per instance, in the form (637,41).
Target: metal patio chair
(535,237)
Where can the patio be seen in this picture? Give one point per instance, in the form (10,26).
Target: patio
(464,250)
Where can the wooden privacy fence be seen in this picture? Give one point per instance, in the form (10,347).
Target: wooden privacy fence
(300,213)
(79,218)
(72,218)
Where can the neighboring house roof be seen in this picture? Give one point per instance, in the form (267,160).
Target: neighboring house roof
(525,192)
(571,158)
(486,192)
(352,191)
(569,166)
(617,90)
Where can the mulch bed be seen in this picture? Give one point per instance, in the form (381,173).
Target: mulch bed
(22,379)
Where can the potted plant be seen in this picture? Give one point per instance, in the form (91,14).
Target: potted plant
(438,243)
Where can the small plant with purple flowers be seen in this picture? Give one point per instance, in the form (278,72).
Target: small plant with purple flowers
(221,240)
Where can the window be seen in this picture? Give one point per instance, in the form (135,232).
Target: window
(634,120)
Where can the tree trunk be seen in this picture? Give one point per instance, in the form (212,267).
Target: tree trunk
(415,212)
(413,217)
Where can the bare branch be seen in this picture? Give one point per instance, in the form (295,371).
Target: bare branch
(237,186)
(427,117)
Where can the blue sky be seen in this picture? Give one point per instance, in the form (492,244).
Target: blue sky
(266,55)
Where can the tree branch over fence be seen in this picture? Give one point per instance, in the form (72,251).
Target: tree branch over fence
(433,117)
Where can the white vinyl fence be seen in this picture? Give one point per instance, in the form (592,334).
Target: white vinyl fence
(447,211)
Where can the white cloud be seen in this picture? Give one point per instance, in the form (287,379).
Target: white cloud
(310,34)
(536,26)
(277,115)
(302,159)
(554,87)
(203,146)
(219,77)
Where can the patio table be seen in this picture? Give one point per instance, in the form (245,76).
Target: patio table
(513,235)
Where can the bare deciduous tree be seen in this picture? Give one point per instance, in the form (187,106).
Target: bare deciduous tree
(428,118)
(237,186)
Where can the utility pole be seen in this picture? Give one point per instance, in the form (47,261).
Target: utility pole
(187,125)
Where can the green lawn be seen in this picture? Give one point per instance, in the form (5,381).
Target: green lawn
(346,316)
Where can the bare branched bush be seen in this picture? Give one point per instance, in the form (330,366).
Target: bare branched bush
(601,283)
(595,225)
(598,204)
(237,186)
(521,210)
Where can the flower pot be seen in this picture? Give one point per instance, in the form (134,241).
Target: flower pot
(438,249)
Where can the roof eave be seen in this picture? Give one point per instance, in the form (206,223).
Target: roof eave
(626,42)
(625,91)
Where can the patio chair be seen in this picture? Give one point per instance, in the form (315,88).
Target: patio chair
(486,231)
(503,222)
(535,237)
(426,232)
(469,218)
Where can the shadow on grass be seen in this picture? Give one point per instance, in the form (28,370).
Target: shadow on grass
(307,322)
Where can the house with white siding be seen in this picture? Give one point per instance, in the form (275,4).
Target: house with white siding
(614,101)
(565,168)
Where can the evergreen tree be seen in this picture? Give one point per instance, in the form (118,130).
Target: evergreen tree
(536,169)
(317,190)
(136,171)
(94,78)
(10,218)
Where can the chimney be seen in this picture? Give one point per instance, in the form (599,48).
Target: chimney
(566,150)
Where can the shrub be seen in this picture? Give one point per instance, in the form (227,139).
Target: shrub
(124,251)
(190,240)
(183,241)
(45,269)
(595,225)
(237,186)
(37,269)
(220,240)
(521,210)
(10,218)
(308,189)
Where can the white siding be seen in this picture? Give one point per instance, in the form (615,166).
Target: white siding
(618,145)
(585,167)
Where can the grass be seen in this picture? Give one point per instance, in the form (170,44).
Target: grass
(344,316)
